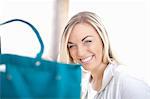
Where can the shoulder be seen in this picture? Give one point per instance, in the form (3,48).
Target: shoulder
(130,86)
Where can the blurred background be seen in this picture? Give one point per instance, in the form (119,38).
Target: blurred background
(127,23)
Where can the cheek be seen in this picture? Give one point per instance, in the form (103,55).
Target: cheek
(100,53)
(72,54)
(98,50)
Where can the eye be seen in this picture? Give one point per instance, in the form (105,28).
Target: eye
(88,41)
(71,46)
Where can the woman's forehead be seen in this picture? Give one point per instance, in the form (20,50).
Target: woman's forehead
(81,30)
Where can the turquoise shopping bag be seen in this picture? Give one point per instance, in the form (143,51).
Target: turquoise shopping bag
(35,78)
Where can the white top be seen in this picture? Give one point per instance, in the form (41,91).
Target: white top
(116,84)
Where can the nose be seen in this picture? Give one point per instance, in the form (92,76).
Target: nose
(81,51)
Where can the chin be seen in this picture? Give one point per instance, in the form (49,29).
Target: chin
(86,67)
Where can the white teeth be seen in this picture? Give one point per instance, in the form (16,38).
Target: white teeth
(86,59)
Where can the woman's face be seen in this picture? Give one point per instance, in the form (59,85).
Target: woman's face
(85,46)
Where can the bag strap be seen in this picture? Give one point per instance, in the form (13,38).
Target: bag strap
(0,44)
(39,55)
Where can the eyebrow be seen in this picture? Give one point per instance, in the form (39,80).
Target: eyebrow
(82,39)
(86,37)
(70,43)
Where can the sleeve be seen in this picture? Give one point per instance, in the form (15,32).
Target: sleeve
(133,88)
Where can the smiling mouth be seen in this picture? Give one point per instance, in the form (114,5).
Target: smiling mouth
(86,60)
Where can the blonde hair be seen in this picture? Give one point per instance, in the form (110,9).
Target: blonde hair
(93,20)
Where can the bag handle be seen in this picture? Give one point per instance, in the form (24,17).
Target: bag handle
(39,55)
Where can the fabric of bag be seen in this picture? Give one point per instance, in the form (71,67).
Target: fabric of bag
(35,78)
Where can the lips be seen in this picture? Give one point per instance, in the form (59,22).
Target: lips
(86,60)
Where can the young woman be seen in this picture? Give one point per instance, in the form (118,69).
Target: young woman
(85,41)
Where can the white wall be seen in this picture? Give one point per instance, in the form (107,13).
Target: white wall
(17,37)
(127,22)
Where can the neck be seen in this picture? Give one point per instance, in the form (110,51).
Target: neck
(97,76)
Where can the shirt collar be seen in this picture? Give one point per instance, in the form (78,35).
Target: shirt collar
(108,74)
